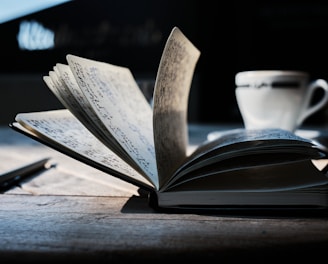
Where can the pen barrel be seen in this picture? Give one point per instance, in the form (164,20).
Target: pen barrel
(13,176)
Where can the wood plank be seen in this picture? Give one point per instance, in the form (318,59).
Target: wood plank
(117,229)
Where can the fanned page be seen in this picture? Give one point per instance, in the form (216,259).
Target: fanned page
(66,89)
(62,131)
(121,106)
(171,94)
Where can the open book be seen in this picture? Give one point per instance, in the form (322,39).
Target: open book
(107,123)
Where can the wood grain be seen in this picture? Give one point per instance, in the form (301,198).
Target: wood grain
(116,229)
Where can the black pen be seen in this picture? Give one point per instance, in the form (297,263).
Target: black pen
(12,178)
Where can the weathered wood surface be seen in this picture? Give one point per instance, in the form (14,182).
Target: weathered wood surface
(116,229)
(62,215)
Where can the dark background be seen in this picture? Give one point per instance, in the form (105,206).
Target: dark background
(232,36)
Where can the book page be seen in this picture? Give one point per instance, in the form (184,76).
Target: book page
(171,95)
(121,106)
(61,91)
(278,176)
(240,148)
(82,109)
(62,130)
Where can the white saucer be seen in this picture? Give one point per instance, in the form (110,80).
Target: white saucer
(305,133)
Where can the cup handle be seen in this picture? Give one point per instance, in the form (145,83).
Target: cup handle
(308,110)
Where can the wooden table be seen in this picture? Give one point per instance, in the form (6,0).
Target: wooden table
(73,212)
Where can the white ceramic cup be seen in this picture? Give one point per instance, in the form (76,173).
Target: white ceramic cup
(277,99)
